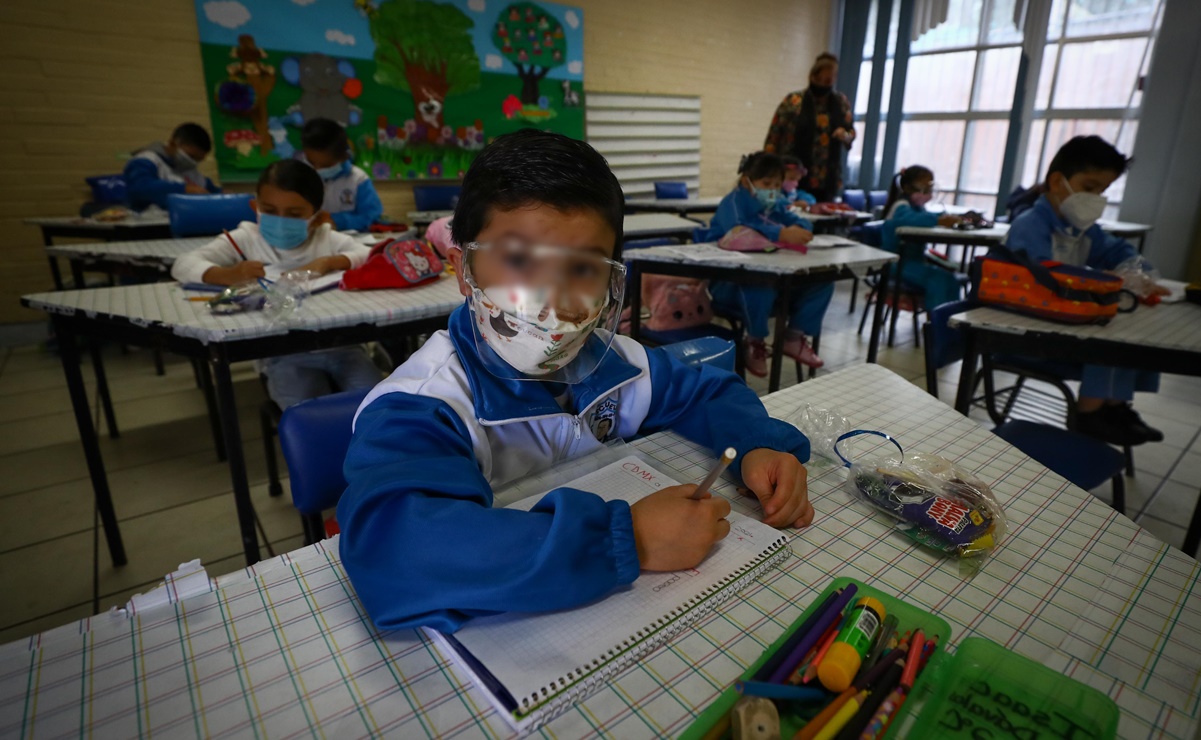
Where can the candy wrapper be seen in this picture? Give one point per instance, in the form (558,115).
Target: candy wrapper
(933,501)
(1139,277)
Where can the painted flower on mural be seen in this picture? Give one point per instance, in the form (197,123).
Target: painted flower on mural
(434,169)
(381,171)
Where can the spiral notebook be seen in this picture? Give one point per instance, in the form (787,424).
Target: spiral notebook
(532,667)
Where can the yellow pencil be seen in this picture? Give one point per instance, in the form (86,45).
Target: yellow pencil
(843,716)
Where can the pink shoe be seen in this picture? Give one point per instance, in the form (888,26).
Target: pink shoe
(797,347)
(756,357)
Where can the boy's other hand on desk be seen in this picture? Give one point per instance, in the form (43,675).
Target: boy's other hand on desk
(781,484)
(947,220)
(323,265)
(673,532)
(234,274)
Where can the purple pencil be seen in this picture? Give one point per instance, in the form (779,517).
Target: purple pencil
(785,669)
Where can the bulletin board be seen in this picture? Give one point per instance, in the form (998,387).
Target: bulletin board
(421,86)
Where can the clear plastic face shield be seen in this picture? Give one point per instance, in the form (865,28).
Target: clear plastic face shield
(542,312)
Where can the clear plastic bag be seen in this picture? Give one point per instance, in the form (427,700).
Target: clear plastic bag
(247,296)
(1139,277)
(823,427)
(933,502)
(285,296)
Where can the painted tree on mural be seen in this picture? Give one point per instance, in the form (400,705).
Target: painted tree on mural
(424,48)
(530,38)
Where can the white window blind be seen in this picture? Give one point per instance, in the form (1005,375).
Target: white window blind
(646,138)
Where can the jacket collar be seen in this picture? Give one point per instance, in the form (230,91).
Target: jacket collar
(497,400)
(1060,223)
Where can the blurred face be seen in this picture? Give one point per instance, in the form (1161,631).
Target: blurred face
(276,202)
(924,186)
(540,246)
(1089,181)
(825,76)
(320,160)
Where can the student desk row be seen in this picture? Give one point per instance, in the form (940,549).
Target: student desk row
(784,270)
(1164,338)
(285,648)
(159,315)
(681,206)
(155,226)
(641,226)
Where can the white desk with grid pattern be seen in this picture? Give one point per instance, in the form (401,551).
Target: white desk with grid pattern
(285,648)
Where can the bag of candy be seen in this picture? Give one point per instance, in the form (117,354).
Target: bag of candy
(932,500)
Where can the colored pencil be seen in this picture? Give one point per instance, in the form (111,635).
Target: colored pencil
(780,655)
(879,692)
(832,611)
(840,719)
(234,244)
(880,646)
(916,645)
(809,672)
(780,691)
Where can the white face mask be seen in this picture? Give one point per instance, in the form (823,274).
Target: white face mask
(534,348)
(1082,209)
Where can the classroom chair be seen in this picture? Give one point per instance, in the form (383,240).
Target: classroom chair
(856,199)
(669,190)
(877,199)
(944,345)
(315,435)
(436,197)
(1084,461)
(205,215)
(871,234)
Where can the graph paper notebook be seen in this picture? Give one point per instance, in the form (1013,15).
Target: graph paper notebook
(532,667)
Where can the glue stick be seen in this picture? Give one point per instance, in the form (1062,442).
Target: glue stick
(842,661)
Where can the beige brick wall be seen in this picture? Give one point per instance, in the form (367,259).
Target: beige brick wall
(83,81)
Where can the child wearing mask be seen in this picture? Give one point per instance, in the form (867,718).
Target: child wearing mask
(288,201)
(911,189)
(350,197)
(1062,226)
(162,168)
(755,203)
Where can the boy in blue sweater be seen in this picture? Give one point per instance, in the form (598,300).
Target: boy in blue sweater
(1062,226)
(350,197)
(160,169)
(531,373)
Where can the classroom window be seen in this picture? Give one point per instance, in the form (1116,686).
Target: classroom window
(961,79)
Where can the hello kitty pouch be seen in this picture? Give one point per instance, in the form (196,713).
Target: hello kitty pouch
(395,263)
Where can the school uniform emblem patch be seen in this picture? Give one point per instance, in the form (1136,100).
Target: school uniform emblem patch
(347,197)
(603,421)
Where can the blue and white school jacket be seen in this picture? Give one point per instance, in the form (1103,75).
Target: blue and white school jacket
(351,199)
(420,539)
(1045,235)
(150,177)
(741,208)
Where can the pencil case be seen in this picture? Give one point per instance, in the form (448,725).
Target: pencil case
(982,690)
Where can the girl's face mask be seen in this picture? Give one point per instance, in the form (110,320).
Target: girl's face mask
(283,232)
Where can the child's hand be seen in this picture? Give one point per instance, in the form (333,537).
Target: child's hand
(795,235)
(673,532)
(1157,289)
(782,485)
(948,220)
(234,274)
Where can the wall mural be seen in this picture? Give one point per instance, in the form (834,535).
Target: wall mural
(420,85)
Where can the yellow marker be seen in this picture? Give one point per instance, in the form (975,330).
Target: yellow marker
(840,719)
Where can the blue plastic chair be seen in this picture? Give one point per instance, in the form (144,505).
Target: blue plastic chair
(1084,461)
(205,215)
(856,199)
(315,435)
(671,190)
(877,199)
(436,197)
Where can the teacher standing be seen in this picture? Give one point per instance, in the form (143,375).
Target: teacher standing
(815,125)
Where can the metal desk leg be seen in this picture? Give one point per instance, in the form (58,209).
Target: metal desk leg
(873,345)
(967,374)
(777,348)
(228,407)
(55,274)
(106,401)
(635,301)
(69,354)
(1192,537)
(210,402)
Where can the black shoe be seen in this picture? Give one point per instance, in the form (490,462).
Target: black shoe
(1108,427)
(1126,413)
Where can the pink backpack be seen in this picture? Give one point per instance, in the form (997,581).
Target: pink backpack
(673,303)
(395,263)
(438,234)
(746,239)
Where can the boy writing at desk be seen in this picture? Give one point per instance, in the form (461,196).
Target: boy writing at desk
(350,197)
(161,169)
(1062,226)
(528,374)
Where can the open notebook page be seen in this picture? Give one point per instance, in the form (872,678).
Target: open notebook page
(526,652)
(316,285)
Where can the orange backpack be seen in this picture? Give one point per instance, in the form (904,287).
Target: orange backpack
(1050,290)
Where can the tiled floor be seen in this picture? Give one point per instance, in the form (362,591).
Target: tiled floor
(173,496)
